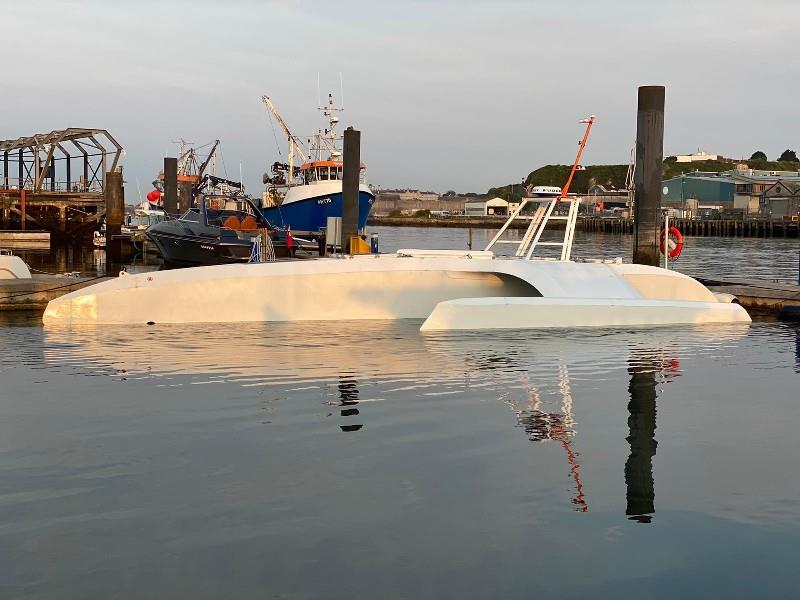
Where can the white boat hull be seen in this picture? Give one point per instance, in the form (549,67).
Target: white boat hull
(392,287)
(542,313)
(13,267)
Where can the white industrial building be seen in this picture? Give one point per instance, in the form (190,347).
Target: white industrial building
(488,208)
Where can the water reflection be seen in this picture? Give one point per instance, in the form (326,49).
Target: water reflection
(544,426)
(640,488)
(348,398)
(209,457)
(540,375)
(647,369)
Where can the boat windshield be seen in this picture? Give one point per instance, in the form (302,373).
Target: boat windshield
(323,173)
(229,213)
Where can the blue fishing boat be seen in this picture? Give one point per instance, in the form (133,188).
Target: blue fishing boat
(303,197)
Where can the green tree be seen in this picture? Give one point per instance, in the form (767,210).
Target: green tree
(758,155)
(422,213)
(788,156)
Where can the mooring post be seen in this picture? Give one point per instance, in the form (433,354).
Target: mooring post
(170,186)
(115,213)
(23,208)
(184,197)
(350,177)
(647,174)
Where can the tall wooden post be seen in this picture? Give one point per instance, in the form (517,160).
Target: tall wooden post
(22,208)
(184,196)
(171,186)
(647,174)
(115,213)
(350,177)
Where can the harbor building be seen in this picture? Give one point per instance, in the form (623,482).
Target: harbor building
(699,156)
(781,201)
(743,191)
(752,185)
(698,190)
(410,201)
(601,198)
(489,208)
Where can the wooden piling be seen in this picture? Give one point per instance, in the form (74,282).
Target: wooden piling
(351,168)
(22,207)
(115,213)
(647,174)
(171,186)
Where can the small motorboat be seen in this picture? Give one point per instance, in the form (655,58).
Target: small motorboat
(221,228)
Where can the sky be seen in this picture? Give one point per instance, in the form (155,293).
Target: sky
(462,94)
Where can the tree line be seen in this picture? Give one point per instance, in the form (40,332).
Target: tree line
(786,156)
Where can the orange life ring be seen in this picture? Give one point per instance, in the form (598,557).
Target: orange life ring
(674,232)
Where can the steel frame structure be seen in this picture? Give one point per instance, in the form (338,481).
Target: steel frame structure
(36,156)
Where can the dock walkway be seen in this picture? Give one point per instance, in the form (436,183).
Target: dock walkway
(761,297)
(34,294)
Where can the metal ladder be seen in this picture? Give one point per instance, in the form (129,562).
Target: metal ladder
(543,215)
(537,224)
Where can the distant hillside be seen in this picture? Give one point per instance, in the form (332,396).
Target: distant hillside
(613,176)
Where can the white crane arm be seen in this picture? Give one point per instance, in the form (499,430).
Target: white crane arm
(295,145)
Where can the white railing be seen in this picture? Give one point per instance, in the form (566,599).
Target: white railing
(537,223)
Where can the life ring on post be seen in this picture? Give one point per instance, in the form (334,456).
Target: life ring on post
(675,238)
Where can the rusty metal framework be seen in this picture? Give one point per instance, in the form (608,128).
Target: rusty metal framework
(36,157)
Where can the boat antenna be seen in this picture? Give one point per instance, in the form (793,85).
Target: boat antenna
(319,94)
(341,91)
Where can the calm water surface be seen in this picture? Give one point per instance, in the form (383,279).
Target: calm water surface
(360,461)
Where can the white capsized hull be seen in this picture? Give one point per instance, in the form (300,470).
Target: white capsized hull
(397,286)
(543,313)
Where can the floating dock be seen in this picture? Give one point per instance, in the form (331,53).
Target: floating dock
(761,297)
(25,240)
(34,294)
(702,227)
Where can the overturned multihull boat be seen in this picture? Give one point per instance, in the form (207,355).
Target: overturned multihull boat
(450,290)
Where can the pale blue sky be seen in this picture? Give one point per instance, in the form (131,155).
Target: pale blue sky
(452,94)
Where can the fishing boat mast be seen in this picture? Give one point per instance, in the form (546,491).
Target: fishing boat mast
(326,139)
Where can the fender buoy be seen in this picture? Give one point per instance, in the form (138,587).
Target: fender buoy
(675,242)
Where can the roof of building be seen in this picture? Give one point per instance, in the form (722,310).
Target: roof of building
(722,178)
(72,134)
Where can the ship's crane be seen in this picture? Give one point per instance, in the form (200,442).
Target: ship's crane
(202,168)
(296,147)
